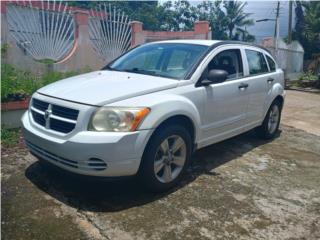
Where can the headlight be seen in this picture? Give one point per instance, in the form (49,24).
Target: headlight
(113,119)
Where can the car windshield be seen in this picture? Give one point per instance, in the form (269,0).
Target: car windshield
(163,59)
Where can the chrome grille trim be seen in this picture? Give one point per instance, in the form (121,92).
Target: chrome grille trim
(54,117)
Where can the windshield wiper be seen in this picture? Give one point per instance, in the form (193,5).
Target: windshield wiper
(138,70)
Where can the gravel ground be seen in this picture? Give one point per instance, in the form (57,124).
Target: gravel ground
(242,188)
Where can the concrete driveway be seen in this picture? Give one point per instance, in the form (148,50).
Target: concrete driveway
(242,188)
(302,111)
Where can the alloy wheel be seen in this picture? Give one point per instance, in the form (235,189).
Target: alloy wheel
(273,119)
(170,159)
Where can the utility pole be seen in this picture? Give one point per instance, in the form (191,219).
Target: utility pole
(290,23)
(276,30)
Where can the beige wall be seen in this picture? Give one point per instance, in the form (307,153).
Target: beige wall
(82,55)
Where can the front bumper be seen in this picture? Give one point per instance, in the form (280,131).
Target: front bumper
(85,151)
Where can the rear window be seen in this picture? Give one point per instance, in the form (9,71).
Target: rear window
(256,61)
(272,64)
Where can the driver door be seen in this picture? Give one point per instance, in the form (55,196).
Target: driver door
(225,103)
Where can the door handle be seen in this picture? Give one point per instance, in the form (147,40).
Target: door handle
(243,86)
(270,80)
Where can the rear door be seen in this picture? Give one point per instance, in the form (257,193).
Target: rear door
(259,79)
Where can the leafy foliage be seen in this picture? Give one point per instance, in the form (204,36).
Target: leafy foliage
(9,137)
(4,48)
(308,76)
(180,15)
(227,18)
(307,27)
(236,18)
(213,13)
(18,84)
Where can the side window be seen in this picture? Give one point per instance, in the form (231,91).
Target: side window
(257,62)
(272,64)
(230,61)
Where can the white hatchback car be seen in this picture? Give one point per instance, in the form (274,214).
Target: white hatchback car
(147,111)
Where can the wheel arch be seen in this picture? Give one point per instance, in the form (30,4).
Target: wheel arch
(279,98)
(276,93)
(180,119)
(183,119)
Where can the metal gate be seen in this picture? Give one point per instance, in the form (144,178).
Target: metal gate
(110,32)
(44,30)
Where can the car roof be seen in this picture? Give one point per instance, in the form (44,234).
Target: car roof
(191,41)
(211,43)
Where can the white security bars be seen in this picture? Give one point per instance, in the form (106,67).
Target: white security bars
(46,33)
(110,32)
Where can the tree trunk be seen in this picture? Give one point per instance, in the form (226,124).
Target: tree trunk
(230,33)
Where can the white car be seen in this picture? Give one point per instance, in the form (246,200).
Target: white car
(146,112)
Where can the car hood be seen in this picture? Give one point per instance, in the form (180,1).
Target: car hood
(104,87)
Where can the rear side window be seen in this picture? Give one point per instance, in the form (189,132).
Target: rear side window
(257,62)
(272,64)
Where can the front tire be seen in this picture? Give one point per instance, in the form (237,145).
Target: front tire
(271,122)
(166,158)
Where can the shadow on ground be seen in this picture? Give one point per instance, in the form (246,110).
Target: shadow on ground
(104,196)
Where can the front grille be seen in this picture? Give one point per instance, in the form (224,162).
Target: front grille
(65,112)
(60,119)
(40,104)
(38,118)
(92,164)
(61,126)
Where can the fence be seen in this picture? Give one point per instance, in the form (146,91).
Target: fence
(45,35)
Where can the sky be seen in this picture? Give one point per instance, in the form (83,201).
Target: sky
(264,9)
(267,9)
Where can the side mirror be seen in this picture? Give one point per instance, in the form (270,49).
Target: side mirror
(217,75)
(214,76)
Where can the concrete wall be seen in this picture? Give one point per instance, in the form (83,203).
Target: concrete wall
(11,119)
(288,56)
(140,36)
(82,55)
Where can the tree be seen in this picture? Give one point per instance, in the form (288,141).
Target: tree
(312,23)
(179,15)
(212,12)
(147,12)
(227,19)
(244,35)
(307,27)
(236,18)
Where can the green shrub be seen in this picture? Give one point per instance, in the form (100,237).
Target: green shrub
(309,76)
(4,48)
(9,137)
(18,84)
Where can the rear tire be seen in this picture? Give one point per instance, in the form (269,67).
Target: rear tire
(165,158)
(271,122)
